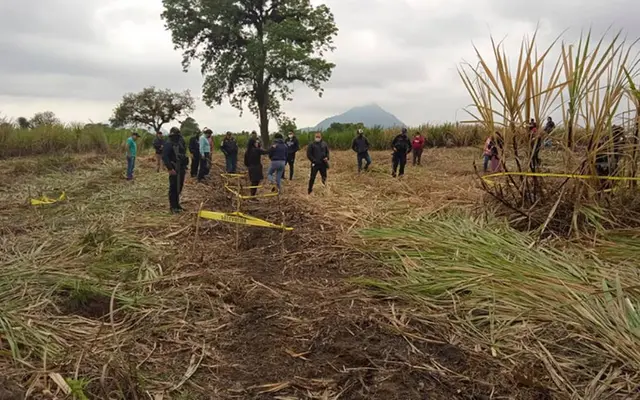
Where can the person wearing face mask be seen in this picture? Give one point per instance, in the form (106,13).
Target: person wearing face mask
(293,145)
(361,147)
(401,147)
(318,154)
(174,157)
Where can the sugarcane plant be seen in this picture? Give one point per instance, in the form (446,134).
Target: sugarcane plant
(588,83)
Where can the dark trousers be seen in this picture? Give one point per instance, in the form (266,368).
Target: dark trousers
(315,168)
(231,162)
(485,162)
(176,182)
(204,166)
(417,156)
(195,164)
(290,162)
(399,160)
(364,157)
(254,190)
(535,160)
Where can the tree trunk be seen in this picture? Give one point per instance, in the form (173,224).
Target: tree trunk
(263,111)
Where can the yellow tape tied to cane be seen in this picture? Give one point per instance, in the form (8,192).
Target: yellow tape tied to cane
(489,178)
(44,200)
(240,218)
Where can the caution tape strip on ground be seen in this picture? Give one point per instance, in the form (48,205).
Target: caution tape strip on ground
(243,197)
(240,218)
(489,178)
(44,200)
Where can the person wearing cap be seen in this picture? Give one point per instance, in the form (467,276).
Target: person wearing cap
(401,147)
(194,149)
(293,145)
(229,148)
(174,157)
(132,151)
(361,147)
(318,154)
(204,149)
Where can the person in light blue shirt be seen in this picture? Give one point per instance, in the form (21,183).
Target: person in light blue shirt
(205,155)
(132,152)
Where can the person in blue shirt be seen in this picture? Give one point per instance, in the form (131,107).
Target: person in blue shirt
(278,155)
(132,152)
(205,154)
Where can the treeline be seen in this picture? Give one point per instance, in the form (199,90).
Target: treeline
(18,141)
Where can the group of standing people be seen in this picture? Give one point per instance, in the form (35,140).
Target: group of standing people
(172,154)
(495,142)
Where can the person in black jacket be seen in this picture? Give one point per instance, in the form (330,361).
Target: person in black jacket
(401,147)
(174,157)
(252,160)
(194,148)
(158,144)
(293,145)
(318,154)
(361,146)
(229,148)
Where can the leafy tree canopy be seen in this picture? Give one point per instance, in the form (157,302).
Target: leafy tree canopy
(23,123)
(44,118)
(287,125)
(189,127)
(251,51)
(152,108)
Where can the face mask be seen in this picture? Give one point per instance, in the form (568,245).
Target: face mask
(318,140)
(291,136)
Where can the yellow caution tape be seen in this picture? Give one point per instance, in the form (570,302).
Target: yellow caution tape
(240,218)
(44,200)
(489,178)
(240,196)
(232,175)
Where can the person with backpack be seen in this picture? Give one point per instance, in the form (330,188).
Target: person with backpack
(278,157)
(318,154)
(293,145)
(174,157)
(401,147)
(417,146)
(194,149)
(360,146)
(229,148)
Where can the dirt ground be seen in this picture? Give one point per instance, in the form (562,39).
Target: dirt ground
(269,316)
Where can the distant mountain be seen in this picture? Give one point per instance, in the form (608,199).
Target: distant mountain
(370,115)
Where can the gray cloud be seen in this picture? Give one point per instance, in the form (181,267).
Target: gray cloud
(401,54)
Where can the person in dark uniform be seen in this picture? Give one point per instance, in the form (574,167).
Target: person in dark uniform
(158,144)
(194,148)
(318,154)
(174,157)
(293,145)
(401,147)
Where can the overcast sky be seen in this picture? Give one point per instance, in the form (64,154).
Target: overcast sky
(78,57)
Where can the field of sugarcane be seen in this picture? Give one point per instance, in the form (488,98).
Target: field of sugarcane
(438,285)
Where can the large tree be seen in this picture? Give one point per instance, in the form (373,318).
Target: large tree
(152,108)
(23,123)
(44,118)
(252,51)
(189,127)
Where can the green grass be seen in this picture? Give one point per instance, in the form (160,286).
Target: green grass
(516,299)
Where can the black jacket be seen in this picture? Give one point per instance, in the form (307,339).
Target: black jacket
(229,147)
(174,154)
(252,160)
(293,145)
(317,152)
(194,144)
(401,144)
(360,144)
(158,143)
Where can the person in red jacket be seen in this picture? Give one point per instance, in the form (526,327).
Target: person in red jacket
(417,145)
